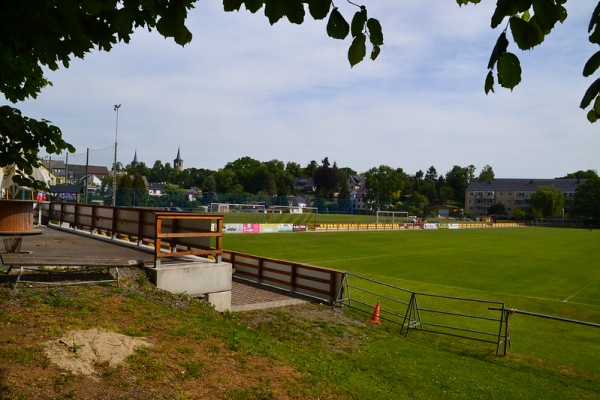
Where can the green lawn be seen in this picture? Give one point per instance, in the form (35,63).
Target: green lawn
(541,270)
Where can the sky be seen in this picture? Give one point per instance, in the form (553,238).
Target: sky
(287,92)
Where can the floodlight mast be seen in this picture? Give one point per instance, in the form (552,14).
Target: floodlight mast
(114,185)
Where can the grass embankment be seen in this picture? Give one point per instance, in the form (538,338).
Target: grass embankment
(310,352)
(302,352)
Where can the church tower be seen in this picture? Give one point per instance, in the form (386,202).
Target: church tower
(135,161)
(178,162)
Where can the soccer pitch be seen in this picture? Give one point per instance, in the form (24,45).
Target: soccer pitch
(543,270)
(556,265)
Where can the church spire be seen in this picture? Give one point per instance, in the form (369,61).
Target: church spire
(135,160)
(178,162)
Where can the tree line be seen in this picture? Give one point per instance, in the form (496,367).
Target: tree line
(386,185)
(248,180)
(247,176)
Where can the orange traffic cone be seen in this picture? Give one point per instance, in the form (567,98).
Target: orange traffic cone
(375,317)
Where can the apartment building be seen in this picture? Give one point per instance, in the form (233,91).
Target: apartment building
(514,193)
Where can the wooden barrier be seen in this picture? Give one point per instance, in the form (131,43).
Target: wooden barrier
(302,279)
(177,233)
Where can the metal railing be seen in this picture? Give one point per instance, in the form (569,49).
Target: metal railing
(473,319)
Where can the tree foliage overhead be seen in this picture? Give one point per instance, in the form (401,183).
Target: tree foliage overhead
(47,34)
(19,133)
(361,28)
(529,22)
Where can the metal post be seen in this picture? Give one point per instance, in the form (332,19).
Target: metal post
(114,196)
(87,165)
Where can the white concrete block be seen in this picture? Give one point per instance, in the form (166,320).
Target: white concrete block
(221,300)
(193,278)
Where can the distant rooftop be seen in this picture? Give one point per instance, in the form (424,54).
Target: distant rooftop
(564,185)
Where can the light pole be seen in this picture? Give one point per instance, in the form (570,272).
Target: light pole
(114,196)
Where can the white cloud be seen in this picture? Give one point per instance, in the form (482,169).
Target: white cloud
(287,92)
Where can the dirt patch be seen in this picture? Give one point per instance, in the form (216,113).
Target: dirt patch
(80,351)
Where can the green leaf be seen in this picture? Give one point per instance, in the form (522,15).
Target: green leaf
(319,8)
(546,14)
(358,22)
(562,13)
(489,83)
(597,105)
(465,2)
(232,5)
(591,93)
(592,116)
(526,34)
(595,19)
(503,9)
(92,7)
(595,35)
(292,9)
(499,49)
(521,6)
(509,71)
(253,5)
(375,32)
(357,50)
(275,10)
(172,24)
(337,27)
(375,52)
(592,64)
(122,23)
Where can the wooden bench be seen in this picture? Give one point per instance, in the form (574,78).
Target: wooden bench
(59,264)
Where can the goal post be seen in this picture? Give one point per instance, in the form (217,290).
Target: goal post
(391,217)
(223,208)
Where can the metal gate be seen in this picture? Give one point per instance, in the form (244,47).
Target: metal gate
(473,319)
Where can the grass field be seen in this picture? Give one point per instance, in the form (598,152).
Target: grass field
(541,270)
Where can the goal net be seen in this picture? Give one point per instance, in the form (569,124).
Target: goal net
(391,217)
(223,208)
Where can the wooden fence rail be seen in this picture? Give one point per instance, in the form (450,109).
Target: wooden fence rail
(302,279)
(176,232)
